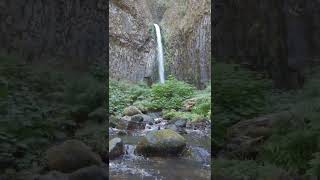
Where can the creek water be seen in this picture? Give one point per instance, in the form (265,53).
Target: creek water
(134,167)
(160,54)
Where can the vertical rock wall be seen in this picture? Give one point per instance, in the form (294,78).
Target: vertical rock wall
(132,48)
(62,31)
(277,36)
(187,31)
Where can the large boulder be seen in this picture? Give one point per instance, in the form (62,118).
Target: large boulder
(115,148)
(70,156)
(131,110)
(161,143)
(245,138)
(91,172)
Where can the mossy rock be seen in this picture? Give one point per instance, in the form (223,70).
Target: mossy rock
(161,143)
(131,110)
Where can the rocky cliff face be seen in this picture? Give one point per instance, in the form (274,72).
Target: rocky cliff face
(187,35)
(186,30)
(58,30)
(279,37)
(131,46)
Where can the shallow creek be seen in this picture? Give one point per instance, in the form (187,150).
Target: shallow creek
(133,167)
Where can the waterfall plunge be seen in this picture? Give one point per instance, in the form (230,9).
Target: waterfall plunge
(160,54)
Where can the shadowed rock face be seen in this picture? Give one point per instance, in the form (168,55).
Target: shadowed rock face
(279,37)
(58,31)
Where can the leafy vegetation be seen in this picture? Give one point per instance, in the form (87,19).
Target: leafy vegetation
(237,93)
(168,97)
(293,146)
(171,94)
(40,106)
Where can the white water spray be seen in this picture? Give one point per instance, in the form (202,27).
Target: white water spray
(160,54)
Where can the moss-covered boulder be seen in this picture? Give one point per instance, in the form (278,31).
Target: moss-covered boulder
(115,148)
(70,156)
(161,143)
(131,110)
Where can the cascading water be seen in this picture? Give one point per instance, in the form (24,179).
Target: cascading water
(160,54)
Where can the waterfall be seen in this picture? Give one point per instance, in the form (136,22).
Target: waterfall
(160,54)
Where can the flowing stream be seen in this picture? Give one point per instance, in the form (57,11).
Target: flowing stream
(134,167)
(160,54)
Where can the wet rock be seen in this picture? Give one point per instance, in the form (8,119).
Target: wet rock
(132,125)
(113,121)
(115,148)
(148,119)
(98,115)
(161,143)
(143,118)
(137,118)
(200,124)
(197,154)
(91,172)
(157,121)
(123,122)
(119,123)
(139,121)
(131,110)
(70,156)
(122,133)
(180,122)
(173,127)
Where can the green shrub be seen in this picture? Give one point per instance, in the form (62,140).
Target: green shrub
(171,94)
(122,94)
(85,92)
(203,104)
(292,151)
(237,93)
